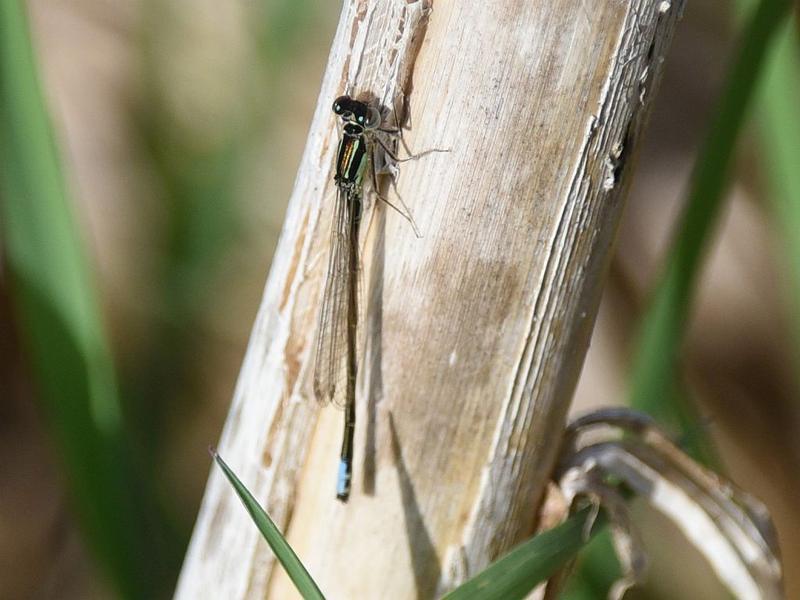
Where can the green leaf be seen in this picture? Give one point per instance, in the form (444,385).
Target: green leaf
(529,564)
(283,551)
(779,156)
(653,380)
(59,322)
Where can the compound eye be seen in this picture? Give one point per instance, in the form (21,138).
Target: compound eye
(373,118)
(359,112)
(342,105)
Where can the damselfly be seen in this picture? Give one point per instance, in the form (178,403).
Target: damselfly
(336,360)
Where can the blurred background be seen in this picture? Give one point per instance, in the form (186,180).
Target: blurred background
(179,127)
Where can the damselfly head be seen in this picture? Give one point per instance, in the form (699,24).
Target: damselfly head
(357,112)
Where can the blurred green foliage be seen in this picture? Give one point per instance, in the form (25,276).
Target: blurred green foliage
(779,156)
(654,380)
(112,436)
(59,321)
(656,383)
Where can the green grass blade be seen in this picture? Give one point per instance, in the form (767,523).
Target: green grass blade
(58,320)
(283,551)
(652,388)
(597,571)
(529,564)
(779,119)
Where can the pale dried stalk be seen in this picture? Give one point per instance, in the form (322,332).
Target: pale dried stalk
(732,529)
(475,333)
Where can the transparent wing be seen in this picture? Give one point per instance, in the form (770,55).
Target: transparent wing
(336,334)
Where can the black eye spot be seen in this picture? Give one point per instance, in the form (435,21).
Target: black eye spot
(341,104)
